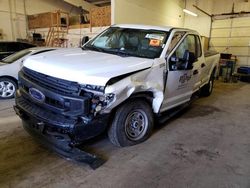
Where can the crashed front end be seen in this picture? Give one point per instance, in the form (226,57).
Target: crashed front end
(61,114)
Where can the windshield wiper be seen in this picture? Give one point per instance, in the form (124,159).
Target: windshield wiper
(120,52)
(92,48)
(126,53)
(117,51)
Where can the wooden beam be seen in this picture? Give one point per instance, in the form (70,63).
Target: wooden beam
(84,4)
(202,11)
(101,2)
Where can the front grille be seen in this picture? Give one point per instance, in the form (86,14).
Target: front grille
(61,96)
(57,85)
(43,114)
(50,101)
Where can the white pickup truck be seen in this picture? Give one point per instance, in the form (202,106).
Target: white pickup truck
(118,82)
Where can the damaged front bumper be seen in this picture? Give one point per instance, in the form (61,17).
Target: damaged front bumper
(59,133)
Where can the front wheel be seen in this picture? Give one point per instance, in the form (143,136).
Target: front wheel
(7,88)
(132,124)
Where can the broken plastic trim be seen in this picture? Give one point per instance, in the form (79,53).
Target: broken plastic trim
(60,146)
(63,149)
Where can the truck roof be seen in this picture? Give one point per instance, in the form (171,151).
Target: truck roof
(138,26)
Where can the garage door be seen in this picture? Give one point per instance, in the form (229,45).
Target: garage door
(232,36)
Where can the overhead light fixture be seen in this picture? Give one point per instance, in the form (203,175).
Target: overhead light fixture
(189,12)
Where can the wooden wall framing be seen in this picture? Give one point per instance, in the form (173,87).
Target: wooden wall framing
(100,16)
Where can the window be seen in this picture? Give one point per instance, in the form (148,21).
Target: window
(129,42)
(178,59)
(198,46)
(3,47)
(13,47)
(187,44)
(12,58)
(176,38)
(26,45)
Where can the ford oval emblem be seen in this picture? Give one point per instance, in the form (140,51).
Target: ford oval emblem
(37,95)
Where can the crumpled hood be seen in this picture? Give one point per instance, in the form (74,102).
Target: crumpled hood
(84,66)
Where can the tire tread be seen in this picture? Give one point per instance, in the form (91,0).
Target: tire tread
(113,132)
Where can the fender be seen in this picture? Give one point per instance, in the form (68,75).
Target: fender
(144,81)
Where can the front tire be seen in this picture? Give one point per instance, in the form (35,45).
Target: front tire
(8,88)
(132,124)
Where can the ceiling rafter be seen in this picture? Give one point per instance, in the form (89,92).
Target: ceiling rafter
(99,3)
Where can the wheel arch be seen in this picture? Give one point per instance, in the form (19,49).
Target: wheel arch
(116,129)
(214,70)
(148,96)
(11,78)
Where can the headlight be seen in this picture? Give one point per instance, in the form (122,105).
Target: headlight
(102,101)
(99,100)
(108,98)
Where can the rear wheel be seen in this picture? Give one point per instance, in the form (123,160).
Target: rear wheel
(207,89)
(7,88)
(132,124)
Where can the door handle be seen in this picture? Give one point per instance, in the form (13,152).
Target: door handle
(203,65)
(195,72)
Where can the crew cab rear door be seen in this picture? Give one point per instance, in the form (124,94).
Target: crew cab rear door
(181,79)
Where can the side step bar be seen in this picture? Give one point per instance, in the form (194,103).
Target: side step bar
(163,117)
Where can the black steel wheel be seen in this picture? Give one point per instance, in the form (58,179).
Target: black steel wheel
(132,124)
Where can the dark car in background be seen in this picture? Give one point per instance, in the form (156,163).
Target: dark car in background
(8,48)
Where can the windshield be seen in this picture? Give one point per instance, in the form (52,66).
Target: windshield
(15,56)
(129,42)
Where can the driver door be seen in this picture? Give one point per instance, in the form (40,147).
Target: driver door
(180,78)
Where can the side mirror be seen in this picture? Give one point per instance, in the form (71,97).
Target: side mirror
(189,58)
(85,39)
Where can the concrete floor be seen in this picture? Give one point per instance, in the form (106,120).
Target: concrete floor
(208,145)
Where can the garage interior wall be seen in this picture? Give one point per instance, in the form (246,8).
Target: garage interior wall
(13,20)
(151,12)
(232,34)
(228,35)
(225,6)
(201,23)
(13,14)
